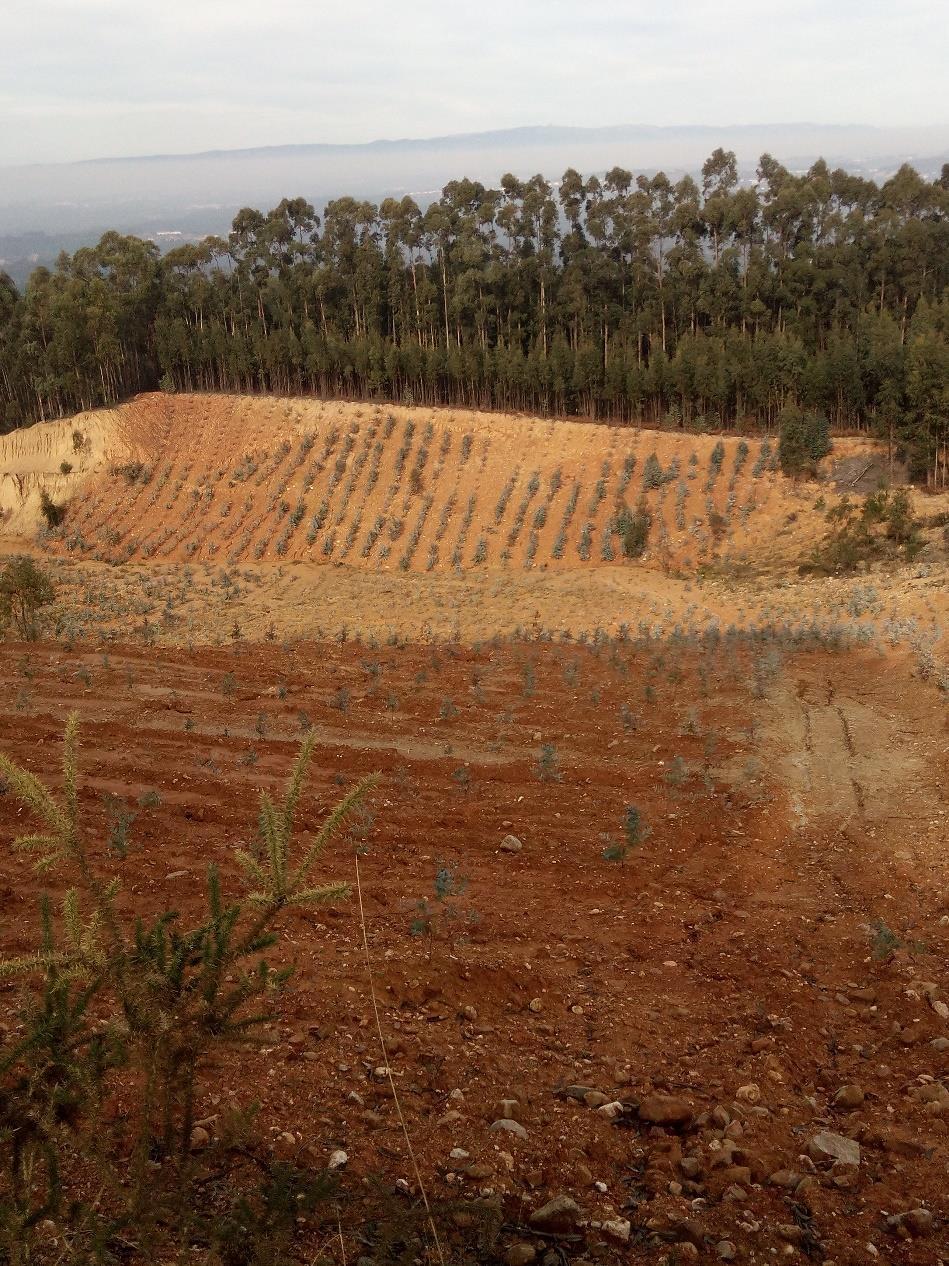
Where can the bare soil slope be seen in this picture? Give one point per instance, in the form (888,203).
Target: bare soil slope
(239,480)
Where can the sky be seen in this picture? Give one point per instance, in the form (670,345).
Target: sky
(101,78)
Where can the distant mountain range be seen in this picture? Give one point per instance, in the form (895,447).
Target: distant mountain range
(855,138)
(45,208)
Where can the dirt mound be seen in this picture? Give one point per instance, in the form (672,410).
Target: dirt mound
(236,479)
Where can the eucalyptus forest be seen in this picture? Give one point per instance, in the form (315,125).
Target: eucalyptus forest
(708,304)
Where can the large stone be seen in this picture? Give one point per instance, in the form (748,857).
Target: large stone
(560,1214)
(520,1255)
(508,1126)
(510,844)
(200,1138)
(618,1229)
(827,1146)
(848,1097)
(659,1109)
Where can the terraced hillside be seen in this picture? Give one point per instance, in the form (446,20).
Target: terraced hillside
(237,480)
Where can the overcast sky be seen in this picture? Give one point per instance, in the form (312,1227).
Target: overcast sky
(89,78)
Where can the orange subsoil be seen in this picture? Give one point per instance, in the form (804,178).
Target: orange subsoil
(242,479)
(733,947)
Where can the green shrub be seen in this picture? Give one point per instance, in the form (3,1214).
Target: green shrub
(633,529)
(804,439)
(51,512)
(24,589)
(125,1007)
(882,528)
(652,473)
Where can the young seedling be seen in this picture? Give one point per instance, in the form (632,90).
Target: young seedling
(635,833)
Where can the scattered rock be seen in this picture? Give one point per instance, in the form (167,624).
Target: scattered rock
(617,1229)
(520,1255)
(560,1214)
(611,1110)
(595,1098)
(510,1110)
(917,1223)
(828,1147)
(535,1005)
(509,1127)
(726,1250)
(848,1097)
(338,1159)
(751,1093)
(510,844)
(579,1092)
(791,1233)
(665,1110)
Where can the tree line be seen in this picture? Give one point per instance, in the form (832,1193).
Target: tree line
(705,304)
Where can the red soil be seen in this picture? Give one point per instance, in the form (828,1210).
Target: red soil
(732,947)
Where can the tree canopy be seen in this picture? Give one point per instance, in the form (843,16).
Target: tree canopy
(620,297)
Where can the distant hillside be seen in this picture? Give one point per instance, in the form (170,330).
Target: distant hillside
(197,194)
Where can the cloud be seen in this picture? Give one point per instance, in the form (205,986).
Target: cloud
(101,77)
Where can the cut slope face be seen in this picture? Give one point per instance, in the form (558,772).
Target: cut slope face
(238,479)
(58,457)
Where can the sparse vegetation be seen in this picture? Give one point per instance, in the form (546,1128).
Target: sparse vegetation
(25,590)
(117,999)
(632,527)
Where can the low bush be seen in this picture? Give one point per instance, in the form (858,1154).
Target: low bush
(632,527)
(883,528)
(123,1008)
(24,590)
(52,512)
(804,439)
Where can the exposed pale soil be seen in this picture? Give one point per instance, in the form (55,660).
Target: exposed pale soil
(238,480)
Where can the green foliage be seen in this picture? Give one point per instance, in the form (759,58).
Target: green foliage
(52,512)
(635,833)
(109,990)
(632,527)
(465,319)
(882,528)
(548,764)
(652,473)
(883,941)
(804,439)
(24,590)
(441,913)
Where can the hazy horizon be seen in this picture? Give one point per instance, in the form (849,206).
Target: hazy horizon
(96,80)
